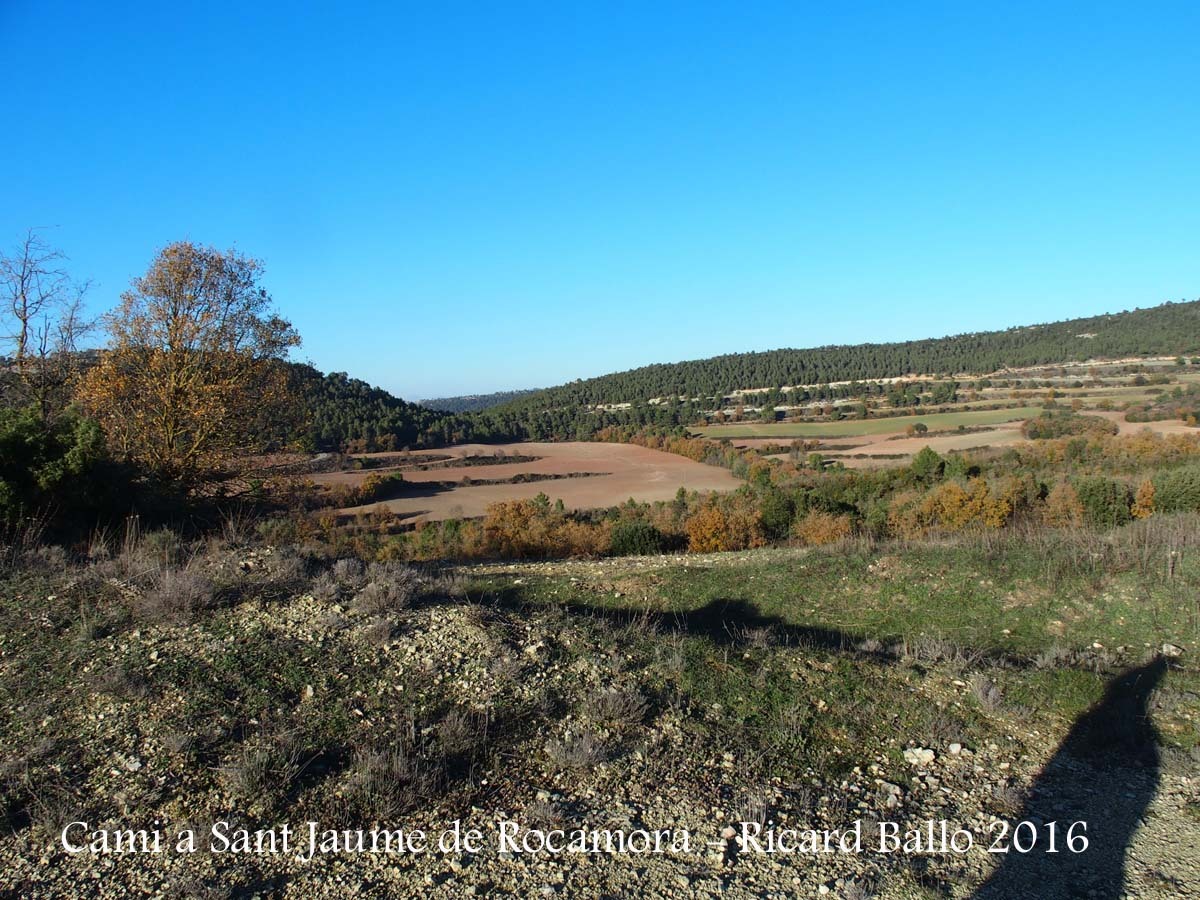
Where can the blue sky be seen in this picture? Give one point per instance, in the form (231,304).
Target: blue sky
(466,197)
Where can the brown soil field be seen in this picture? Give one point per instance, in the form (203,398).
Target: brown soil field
(629,471)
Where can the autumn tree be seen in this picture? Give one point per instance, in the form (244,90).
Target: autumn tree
(1063,507)
(41,315)
(731,524)
(817,528)
(1143,501)
(193,368)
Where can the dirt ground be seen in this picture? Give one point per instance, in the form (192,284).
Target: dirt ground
(1169,426)
(621,471)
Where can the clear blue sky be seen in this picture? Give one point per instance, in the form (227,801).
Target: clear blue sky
(466,197)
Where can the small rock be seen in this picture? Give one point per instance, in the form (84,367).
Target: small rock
(918,756)
(890,793)
(1172,651)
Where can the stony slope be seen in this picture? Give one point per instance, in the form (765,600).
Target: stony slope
(261,686)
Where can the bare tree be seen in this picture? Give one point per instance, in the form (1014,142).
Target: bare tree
(42,316)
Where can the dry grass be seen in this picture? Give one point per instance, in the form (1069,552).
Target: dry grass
(389,587)
(176,594)
(384,783)
(986,692)
(577,752)
(265,766)
(618,707)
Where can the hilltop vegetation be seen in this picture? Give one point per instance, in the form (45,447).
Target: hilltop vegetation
(347,414)
(674,394)
(1169,329)
(476,402)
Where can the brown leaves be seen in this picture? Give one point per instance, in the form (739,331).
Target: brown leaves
(193,364)
(724,524)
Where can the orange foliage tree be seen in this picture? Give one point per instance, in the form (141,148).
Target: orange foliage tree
(1143,501)
(729,525)
(818,528)
(191,373)
(1063,507)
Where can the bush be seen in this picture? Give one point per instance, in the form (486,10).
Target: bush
(819,528)
(1177,490)
(576,752)
(1105,502)
(59,465)
(1062,508)
(636,539)
(177,594)
(927,465)
(389,587)
(1065,423)
(713,528)
(378,487)
(777,511)
(524,529)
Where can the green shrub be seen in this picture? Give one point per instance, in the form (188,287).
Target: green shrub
(1065,423)
(777,511)
(1177,490)
(927,465)
(1105,502)
(636,539)
(57,466)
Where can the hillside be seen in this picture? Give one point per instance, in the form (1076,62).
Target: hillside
(475,402)
(342,412)
(1171,328)
(978,682)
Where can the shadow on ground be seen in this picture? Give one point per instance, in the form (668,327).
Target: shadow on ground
(1105,773)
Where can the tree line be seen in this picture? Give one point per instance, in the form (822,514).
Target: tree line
(1168,329)
(476,402)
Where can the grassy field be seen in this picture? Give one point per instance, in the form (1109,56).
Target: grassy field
(857,427)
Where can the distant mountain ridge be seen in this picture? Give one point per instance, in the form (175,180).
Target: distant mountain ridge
(475,402)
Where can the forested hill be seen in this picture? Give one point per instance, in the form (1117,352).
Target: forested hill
(345,413)
(475,402)
(1161,330)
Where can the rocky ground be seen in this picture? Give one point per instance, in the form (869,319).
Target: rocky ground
(257,687)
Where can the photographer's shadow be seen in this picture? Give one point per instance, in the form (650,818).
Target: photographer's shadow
(1105,773)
